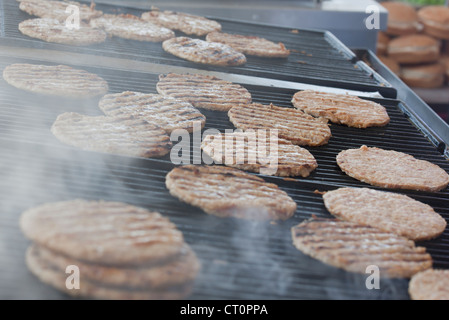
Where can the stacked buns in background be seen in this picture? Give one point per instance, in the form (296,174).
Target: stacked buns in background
(416,44)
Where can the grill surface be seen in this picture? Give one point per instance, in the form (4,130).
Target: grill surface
(241,260)
(317,57)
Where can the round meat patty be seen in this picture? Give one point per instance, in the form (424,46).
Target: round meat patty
(386,211)
(57,9)
(392,169)
(228,192)
(250,45)
(338,108)
(131,27)
(200,51)
(164,111)
(187,23)
(353,247)
(100,232)
(46,271)
(294,125)
(203,91)
(250,151)
(51,30)
(58,80)
(430,284)
(123,136)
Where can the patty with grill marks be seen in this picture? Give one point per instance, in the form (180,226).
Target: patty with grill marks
(354,247)
(100,232)
(179,271)
(251,151)
(51,30)
(55,80)
(432,284)
(166,112)
(338,108)
(390,212)
(131,27)
(203,91)
(250,45)
(57,9)
(49,273)
(200,51)
(129,137)
(228,192)
(187,23)
(294,125)
(392,169)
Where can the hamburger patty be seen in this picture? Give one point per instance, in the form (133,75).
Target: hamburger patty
(392,169)
(294,125)
(57,9)
(164,111)
(354,247)
(253,152)
(55,80)
(131,27)
(349,110)
(430,284)
(187,23)
(203,91)
(130,137)
(51,30)
(110,233)
(387,211)
(250,45)
(228,192)
(200,51)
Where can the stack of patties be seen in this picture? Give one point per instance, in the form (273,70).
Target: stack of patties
(121,251)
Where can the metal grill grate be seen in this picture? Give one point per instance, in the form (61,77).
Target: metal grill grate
(317,57)
(241,260)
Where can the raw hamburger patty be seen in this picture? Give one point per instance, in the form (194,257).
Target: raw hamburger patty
(250,45)
(386,211)
(164,111)
(431,284)
(177,272)
(258,153)
(354,247)
(349,110)
(110,233)
(51,30)
(203,91)
(392,169)
(131,27)
(200,51)
(50,274)
(228,192)
(294,125)
(130,137)
(187,23)
(55,80)
(57,9)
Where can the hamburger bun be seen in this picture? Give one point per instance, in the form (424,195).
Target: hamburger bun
(424,76)
(402,19)
(414,49)
(435,20)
